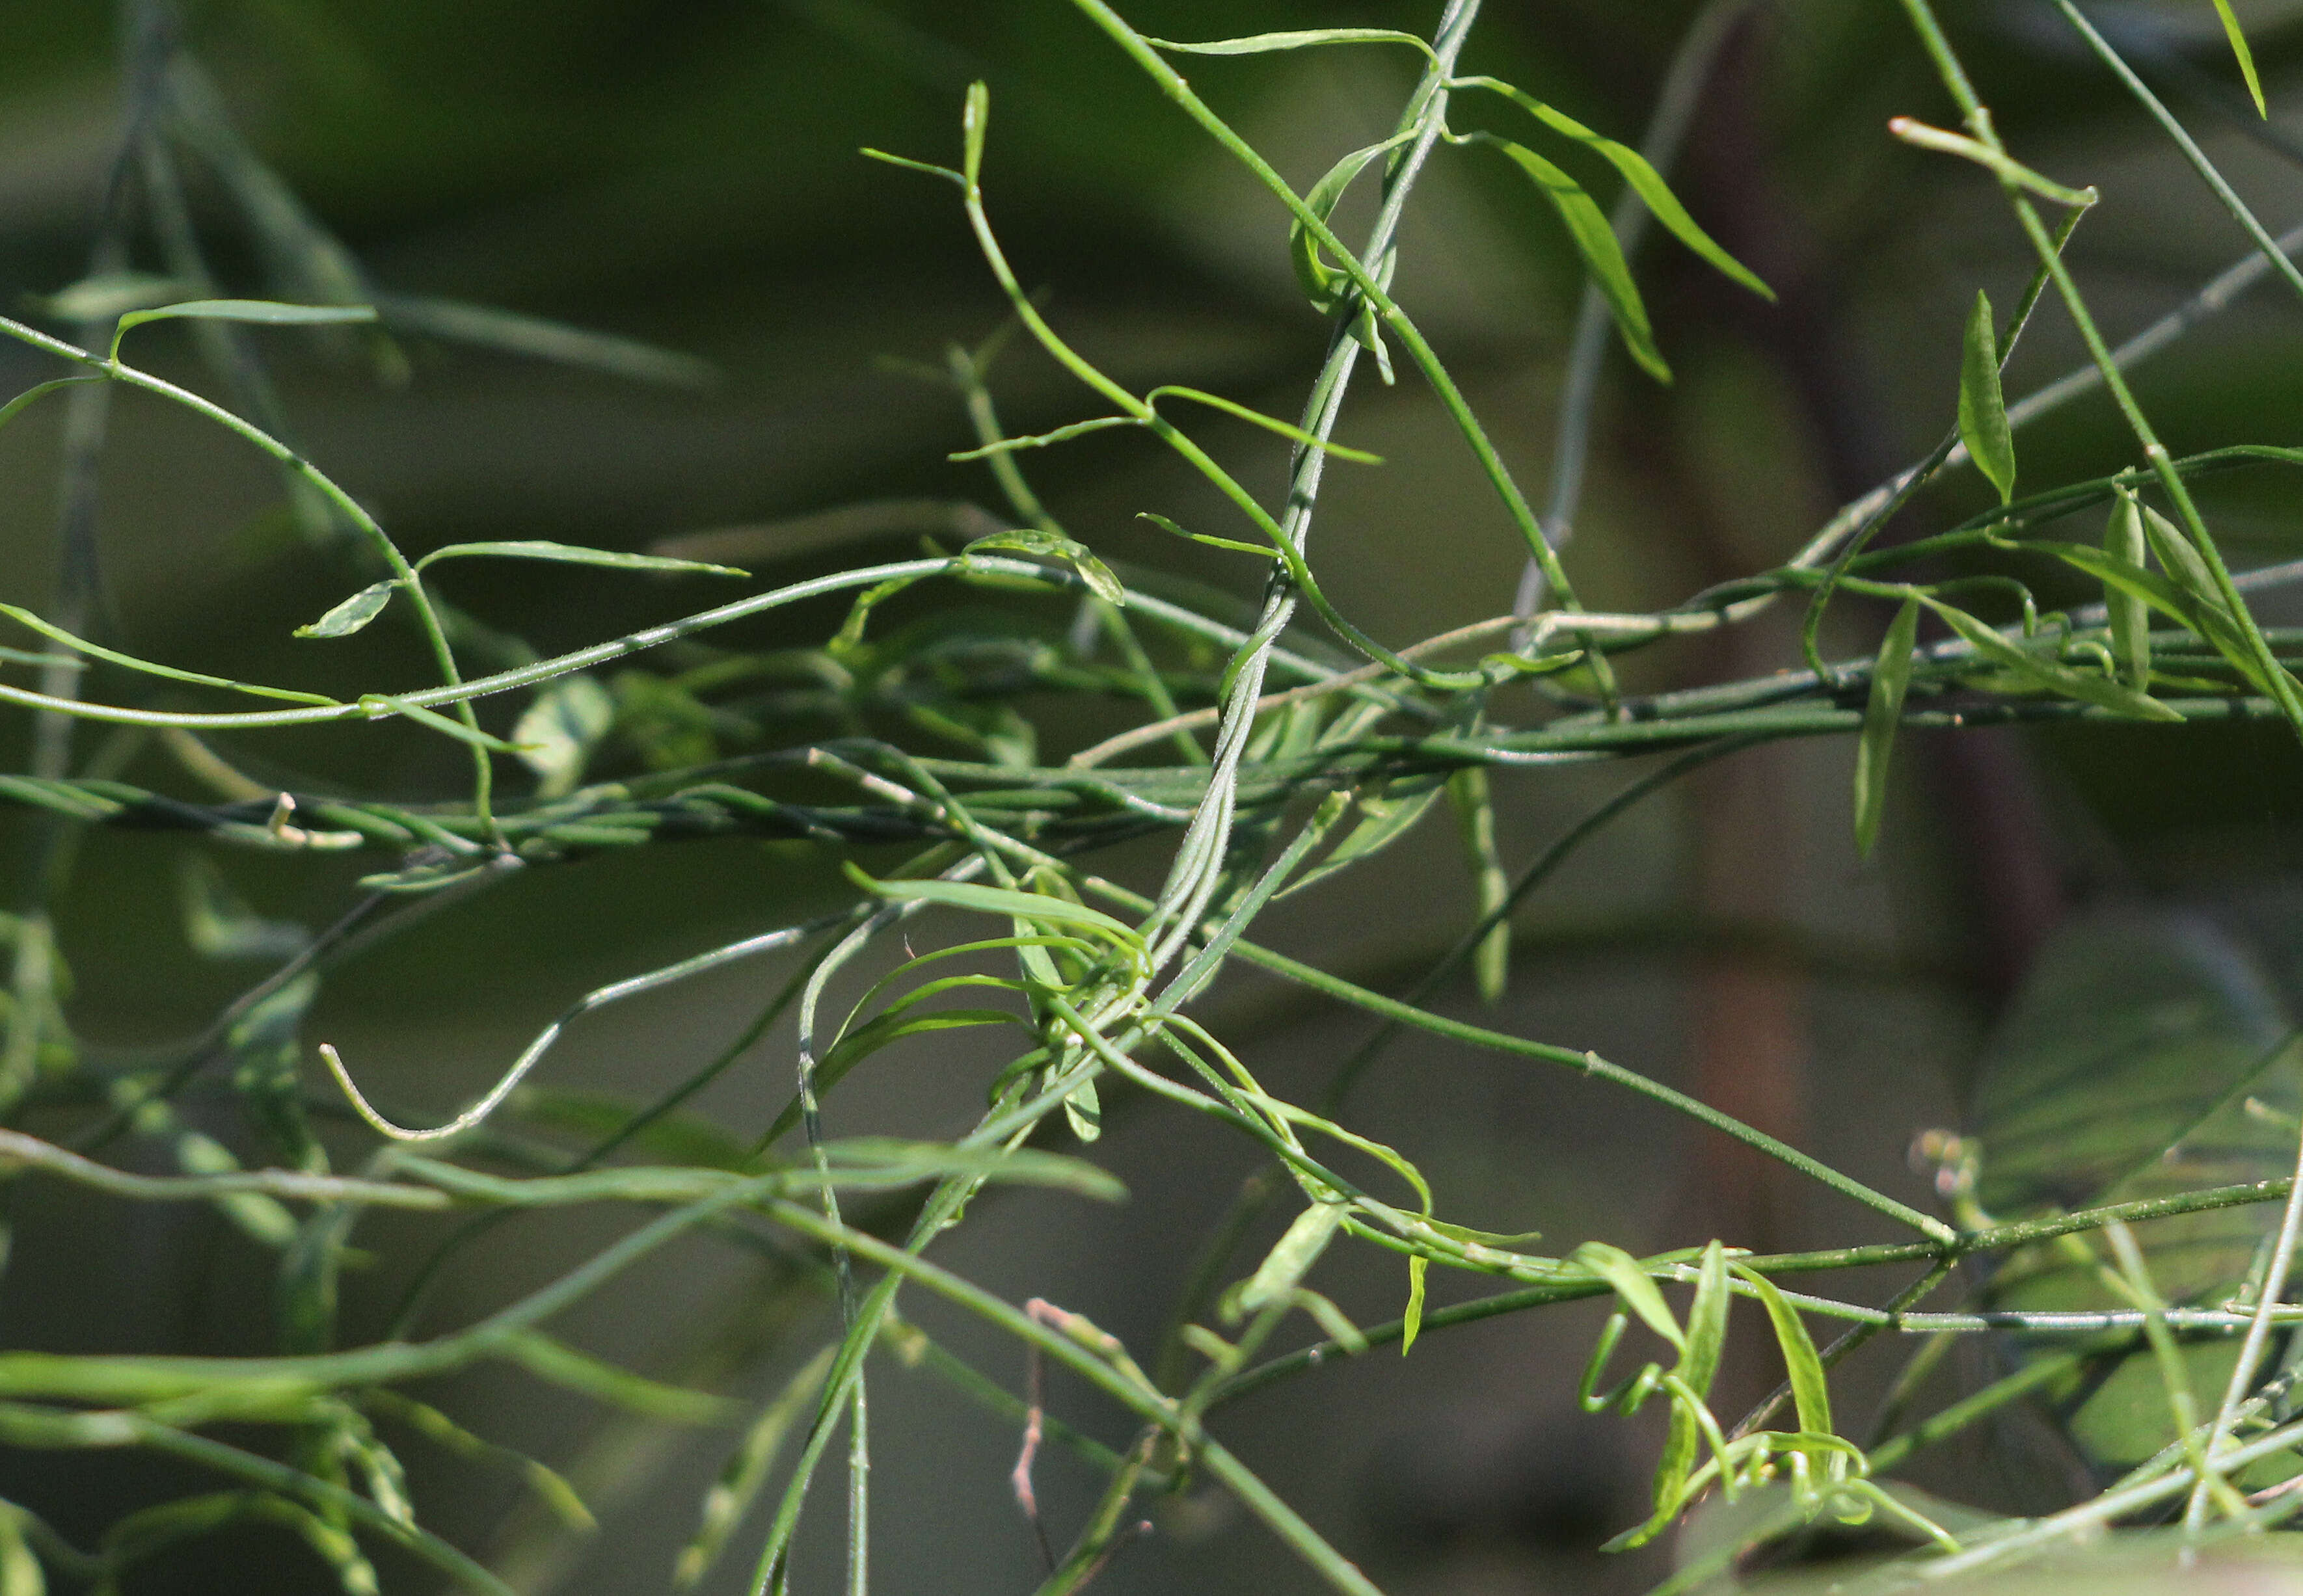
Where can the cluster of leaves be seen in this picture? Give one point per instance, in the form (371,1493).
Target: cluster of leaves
(1299,782)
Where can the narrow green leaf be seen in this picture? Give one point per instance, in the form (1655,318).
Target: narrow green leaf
(1209,538)
(1637,171)
(38,391)
(2129,616)
(558,1363)
(1633,1284)
(1321,286)
(1983,405)
(1475,822)
(2180,558)
(1263,44)
(1271,424)
(1890,676)
(259,313)
(1595,241)
(740,1482)
(1412,1322)
(1810,1390)
(1706,1322)
(573,554)
(19,1566)
(1290,1259)
(999,900)
(2233,31)
(380,704)
(1385,816)
(34,623)
(354,613)
(2050,674)
(1062,435)
(1054,545)
(100,298)
(507,332)
(1698,1366)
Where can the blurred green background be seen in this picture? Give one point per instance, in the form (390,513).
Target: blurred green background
(687,175)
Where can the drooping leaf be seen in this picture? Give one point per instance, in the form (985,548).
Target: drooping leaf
(1638,172)
(1411,1323)
(1633,1284)
(1982,403)
(571,554)
(2246,57)
(1595,241)
(747,1470)
(354,613)
(484,326)
(1475,817)
(1290,1259)
(1811,1390)
(2129,616)
(1883,714)
(1322,286)
(1385,816)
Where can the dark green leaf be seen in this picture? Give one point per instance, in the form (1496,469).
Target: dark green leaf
(1883,713)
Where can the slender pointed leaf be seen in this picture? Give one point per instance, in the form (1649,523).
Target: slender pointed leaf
(573,554)
(1595,241)
(2129,616)
(2055,676)
(1302,38)
(1637,171)
(258,313)
(1982,404)
(2237,37)
(1883,714)
(1810,1390)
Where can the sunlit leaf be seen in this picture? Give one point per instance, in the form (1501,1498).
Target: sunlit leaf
(2246,57)
(1054,545)
(570,554)
(354,613)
